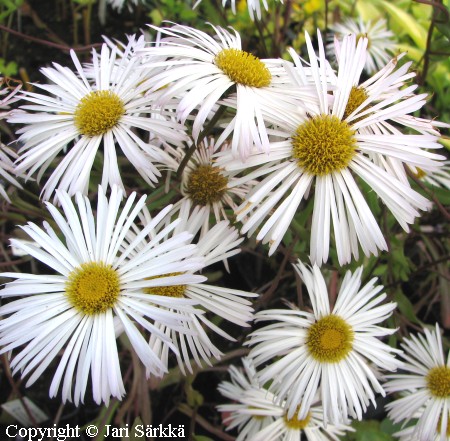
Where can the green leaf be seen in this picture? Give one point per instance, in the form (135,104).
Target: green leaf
(156,17)
(405,306)
(388,426)
(407,22)
(134,435)
(368,430)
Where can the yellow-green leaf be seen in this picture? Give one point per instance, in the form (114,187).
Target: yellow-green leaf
(414,29)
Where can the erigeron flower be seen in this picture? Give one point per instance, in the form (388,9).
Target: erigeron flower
(410,433)
(96,289)
(202,70)
(208,188)
(328,351)
(424,384)
(258,418)
(9,89)
(254,7)
(328,152)
(217,244)
(7,170)
(8,95)
(437,178)
(253,406)
(380,45)
(117,5)
(85,116)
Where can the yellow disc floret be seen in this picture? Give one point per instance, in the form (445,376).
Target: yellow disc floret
(438,381)
(93,287)
(243,68)
(363,35)
(330,339)
(419,173)
(357,96)
(167,291)
(323,144)
(296,424)
(206,185)
(98,112)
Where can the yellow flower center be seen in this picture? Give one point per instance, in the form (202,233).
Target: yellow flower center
(167,291)
(256,409)
(295,423)
(206,185)
(98,112)
(93,287)
(361,35)
(323,144)
(330,339)
(243,68)
(357,96)
(419,173)
(438,381)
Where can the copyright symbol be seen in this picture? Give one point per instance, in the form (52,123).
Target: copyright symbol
(91,430)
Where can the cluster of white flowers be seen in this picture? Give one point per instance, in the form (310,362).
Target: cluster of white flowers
(240,139)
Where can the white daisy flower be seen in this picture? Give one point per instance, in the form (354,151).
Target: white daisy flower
(438,178)
(202,70)
(208,188)
(9,89)
(254,7)
(98,287)
(410,433)
(328,350)
(329,152)
(425,383)
(7,170)
(253,406)
(218,244)
(88,115)
(258,418)
(8,95)
(117,5)
(380,44)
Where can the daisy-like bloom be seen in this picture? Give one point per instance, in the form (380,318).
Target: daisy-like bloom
(438,178)
(202,70)
(218,244)
(327,150)
(97,288)
(253,406)
(117,5)
(380,40)
(7,170)
(258,418)
(424,385)
(207,187)
(84,116)
(254,7)
(327,350)
(8,95)
(411,434)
